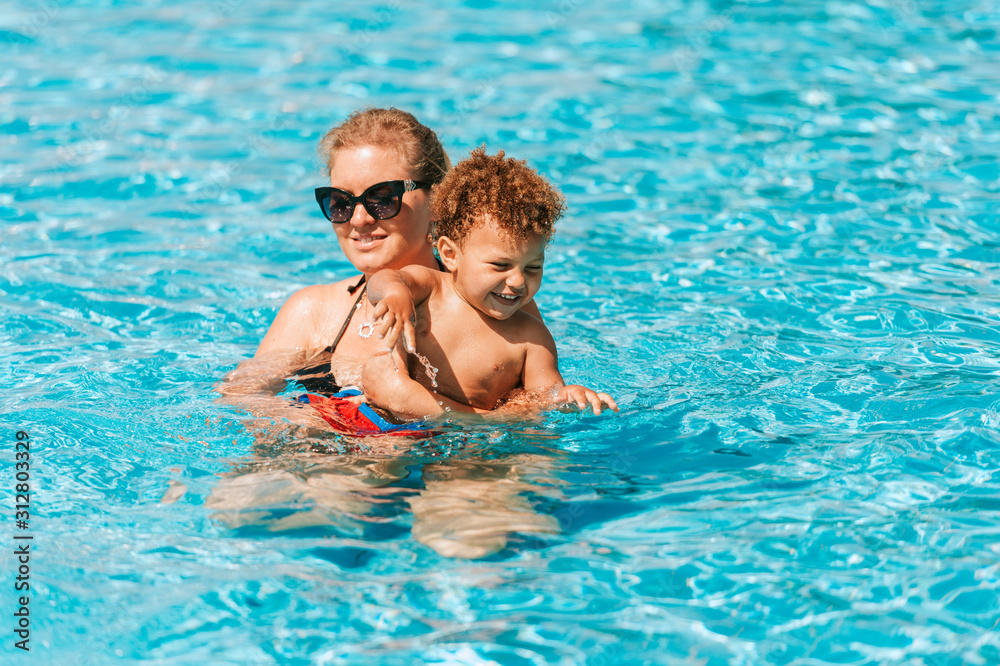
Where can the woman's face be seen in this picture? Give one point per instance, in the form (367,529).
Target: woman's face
(371,244)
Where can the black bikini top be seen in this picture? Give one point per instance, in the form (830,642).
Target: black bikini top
(347,320)
(325,385)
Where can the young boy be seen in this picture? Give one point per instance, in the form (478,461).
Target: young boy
(494,217)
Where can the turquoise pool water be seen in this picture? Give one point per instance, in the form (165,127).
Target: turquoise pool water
(782,255)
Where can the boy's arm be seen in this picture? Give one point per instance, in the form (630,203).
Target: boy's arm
(395,295)
(541,365)
(541,373)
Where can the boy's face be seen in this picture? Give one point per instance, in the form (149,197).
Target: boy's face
(494,273)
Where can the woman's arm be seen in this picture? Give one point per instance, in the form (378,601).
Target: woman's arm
(296,323)
(395,391)
(253,387)
(282,351)
(291,343)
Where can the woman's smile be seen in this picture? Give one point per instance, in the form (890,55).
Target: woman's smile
(368,241)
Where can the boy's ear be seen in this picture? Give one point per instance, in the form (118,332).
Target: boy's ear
(448,250)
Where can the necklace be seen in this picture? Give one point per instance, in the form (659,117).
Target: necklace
(365,328)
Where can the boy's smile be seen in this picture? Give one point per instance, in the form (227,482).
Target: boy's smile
(494,273)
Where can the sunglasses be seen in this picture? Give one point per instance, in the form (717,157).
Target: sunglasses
(381,200)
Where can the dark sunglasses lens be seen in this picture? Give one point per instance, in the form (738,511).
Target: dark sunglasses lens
(383,201)
(338,207)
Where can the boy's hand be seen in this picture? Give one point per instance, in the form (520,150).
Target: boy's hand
(582,396)
(396,315)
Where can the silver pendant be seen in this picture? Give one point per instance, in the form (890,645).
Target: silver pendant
(366,329)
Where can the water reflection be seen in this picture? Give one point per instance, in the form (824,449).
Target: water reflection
(468,508)
(465,504)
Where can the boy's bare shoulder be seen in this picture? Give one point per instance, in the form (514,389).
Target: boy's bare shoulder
(423,280)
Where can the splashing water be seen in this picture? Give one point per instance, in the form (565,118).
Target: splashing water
(431,371)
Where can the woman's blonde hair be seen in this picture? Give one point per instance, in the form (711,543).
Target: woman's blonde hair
(393,129)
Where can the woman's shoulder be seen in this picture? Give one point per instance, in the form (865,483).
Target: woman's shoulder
(303,322)
(322,295)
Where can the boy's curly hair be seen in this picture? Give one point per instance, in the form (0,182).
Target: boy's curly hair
(520,201)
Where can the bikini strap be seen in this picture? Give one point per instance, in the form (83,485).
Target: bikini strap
(350,314)
(351,290)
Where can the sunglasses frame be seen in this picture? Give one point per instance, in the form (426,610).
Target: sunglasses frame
(401,187)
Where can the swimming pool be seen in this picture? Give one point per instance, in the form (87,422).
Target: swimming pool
(781,256)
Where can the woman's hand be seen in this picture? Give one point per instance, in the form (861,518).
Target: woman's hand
(583,397)
(381,380)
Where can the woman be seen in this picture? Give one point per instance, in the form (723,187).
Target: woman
(321,335)
(382,164)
